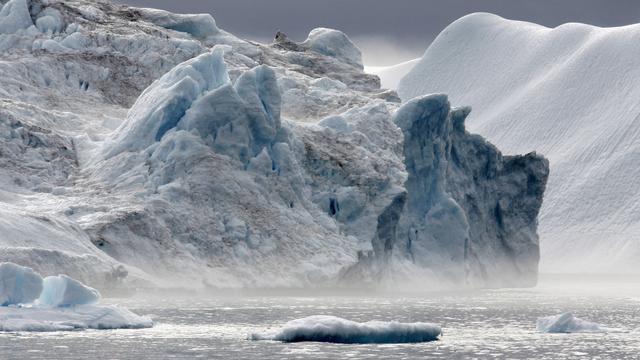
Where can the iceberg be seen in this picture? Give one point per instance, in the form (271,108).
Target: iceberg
(323,328)
(63,304)
(18,284)
(557,91)
(188,157)
(567,323)
(62,290)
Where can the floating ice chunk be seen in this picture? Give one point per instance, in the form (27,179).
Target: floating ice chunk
(336,44)
(62,290)
(567,323)
(75,318)
(52,311)
(18,284)
(323,328)
(198,25)
(14,16)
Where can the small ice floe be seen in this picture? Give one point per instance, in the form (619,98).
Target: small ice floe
(333,329)
(567,323)
(56,303)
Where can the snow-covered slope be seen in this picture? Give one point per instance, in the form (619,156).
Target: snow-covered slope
(570,93)
(141,147)
(390,76)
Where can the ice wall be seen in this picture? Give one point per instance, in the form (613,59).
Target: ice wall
(469,213)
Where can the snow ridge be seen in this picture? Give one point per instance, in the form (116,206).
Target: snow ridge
(566,92)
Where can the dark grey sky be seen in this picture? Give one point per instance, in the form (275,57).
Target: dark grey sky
(390,31)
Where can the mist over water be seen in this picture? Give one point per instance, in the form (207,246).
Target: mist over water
(484,323)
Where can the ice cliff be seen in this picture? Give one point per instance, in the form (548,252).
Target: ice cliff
(570,93)
(144,148)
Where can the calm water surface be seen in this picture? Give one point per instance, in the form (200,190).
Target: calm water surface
(490,324)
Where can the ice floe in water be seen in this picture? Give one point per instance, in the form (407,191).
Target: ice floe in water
(333,329)
(62,290)
(70,318)
(56,303)
(18,284)
(567,323)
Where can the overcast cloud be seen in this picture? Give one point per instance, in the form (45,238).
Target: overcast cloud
(390,31)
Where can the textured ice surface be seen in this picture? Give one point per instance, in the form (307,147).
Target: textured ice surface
(198,25)
(18,284)
(63,304)
(14,16)
(143,148)
(561,92)
(62,290)
(567,323)
(321,328)
(468,213)
(334,43)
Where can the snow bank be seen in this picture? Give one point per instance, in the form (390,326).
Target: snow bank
(14,16)
(64,304)
(567,323)
(334,43)
(18,284)
(333,329)
(62,290)
(569,93)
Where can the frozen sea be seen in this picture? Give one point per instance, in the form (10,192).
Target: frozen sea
(487,324)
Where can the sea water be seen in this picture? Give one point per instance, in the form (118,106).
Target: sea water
(486,324)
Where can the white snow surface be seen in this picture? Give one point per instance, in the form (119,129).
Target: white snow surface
(567,323)
(323,328)
(143,148)
(390,76)
(567,92)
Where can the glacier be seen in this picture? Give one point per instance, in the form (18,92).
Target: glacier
(324,328)
(56,303)
(567,92)
(142,148)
